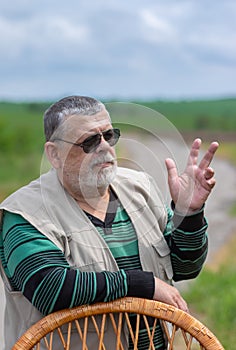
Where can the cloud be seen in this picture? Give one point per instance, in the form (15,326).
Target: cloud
(115,48)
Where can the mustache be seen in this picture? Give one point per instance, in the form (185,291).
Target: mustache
(105,158)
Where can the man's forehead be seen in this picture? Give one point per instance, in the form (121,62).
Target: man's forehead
(86,118)
(79,124)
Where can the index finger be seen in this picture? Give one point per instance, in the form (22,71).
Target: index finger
(207,158)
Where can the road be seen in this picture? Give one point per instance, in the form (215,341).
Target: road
(149,155)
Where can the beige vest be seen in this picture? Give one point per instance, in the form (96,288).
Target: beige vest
(49,208)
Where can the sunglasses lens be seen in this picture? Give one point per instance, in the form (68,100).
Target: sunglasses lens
(91,143)
(112,136)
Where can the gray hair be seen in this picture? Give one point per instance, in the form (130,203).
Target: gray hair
(57,113)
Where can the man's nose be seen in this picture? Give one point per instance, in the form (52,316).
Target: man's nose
(103,145)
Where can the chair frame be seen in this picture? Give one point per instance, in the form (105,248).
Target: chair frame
(190,327)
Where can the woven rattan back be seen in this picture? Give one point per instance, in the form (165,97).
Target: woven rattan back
(63,329)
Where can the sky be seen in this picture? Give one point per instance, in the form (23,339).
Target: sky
(110,49)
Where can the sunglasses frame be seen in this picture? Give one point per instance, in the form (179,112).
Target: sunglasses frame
(112,140)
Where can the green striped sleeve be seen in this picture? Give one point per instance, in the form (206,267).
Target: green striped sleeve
(188,244)
(37,267)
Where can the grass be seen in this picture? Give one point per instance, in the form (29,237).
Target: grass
(212,298)
(21,144)
(233,210)
(227,151)
(212,115)
(18,170)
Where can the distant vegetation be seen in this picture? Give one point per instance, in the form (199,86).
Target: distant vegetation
(212,115)
(21,144)
(22,138)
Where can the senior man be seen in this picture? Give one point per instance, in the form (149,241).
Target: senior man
(88,231)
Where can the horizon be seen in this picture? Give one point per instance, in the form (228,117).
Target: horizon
(131,100)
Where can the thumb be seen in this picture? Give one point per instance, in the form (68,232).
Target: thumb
(172,178)
(171,169)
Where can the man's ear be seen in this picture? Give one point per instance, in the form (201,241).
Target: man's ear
(53,154)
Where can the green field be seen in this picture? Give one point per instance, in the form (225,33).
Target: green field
(21,145)
(212,115)
(21,127)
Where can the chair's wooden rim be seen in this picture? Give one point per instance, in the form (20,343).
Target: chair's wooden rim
(153,308)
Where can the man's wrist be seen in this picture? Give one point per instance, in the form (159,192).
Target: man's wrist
(186,211)
(140,284)
(189,223)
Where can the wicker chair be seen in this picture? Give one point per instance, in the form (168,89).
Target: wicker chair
(182,330)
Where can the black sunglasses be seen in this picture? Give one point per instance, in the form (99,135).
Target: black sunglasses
(92,142)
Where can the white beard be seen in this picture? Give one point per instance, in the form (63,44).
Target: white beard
(92,182)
